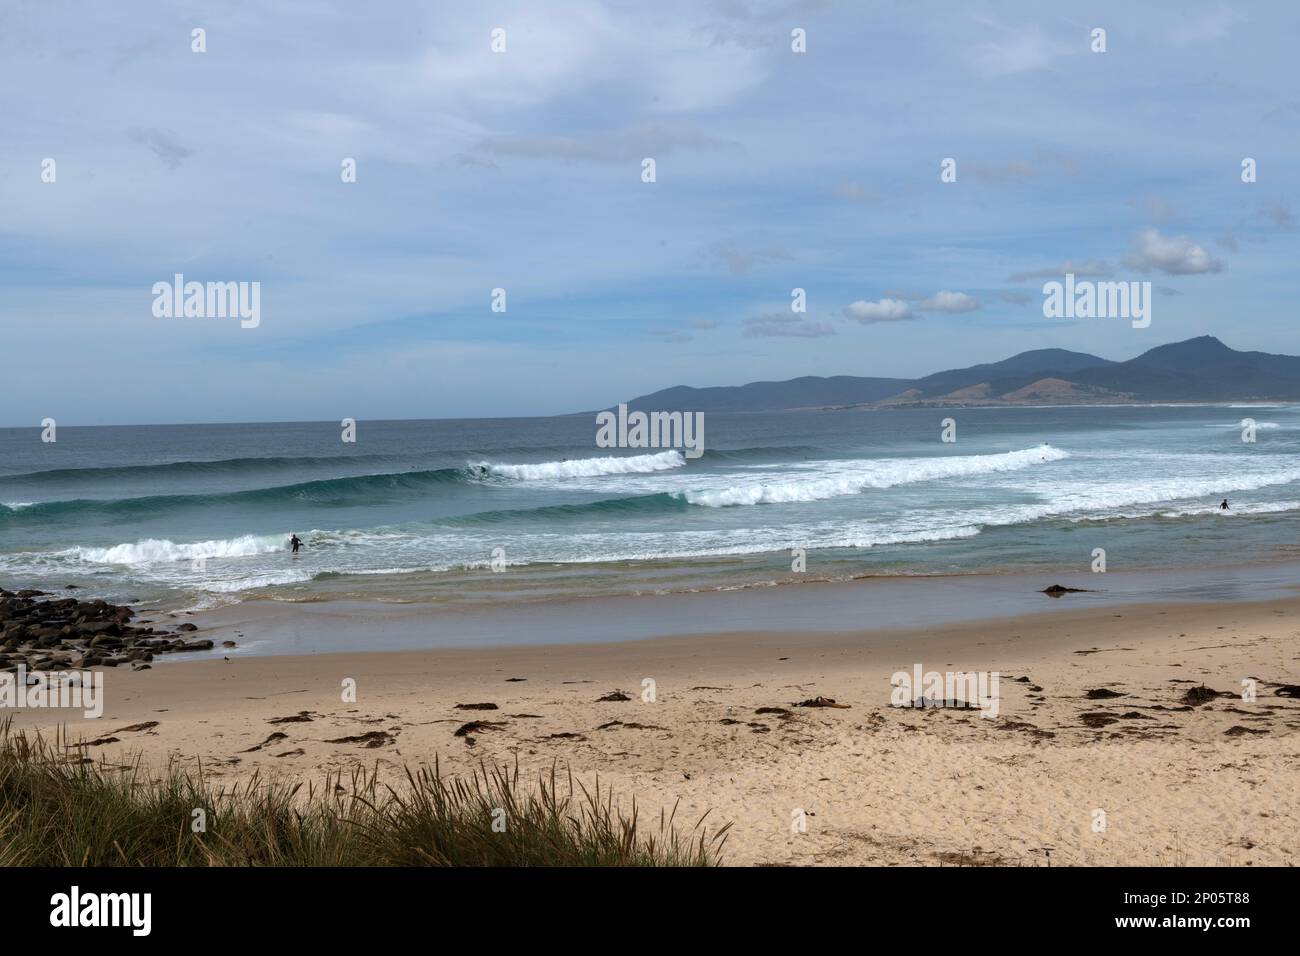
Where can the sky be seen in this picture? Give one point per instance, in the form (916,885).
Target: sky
(522,169)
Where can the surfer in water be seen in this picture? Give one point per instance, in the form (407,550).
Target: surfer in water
(295,542)
(1224,505)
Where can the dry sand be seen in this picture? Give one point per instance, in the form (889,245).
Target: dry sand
(1217,783)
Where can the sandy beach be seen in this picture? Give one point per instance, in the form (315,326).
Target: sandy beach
(1135,773)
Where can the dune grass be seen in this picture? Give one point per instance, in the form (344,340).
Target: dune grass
(58,808)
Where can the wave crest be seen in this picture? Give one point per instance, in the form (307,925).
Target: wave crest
(155,550)
(589,467)
(877,474)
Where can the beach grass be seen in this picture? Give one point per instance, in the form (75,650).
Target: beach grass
(59,808)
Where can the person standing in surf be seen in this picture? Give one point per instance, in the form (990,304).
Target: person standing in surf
(295,542)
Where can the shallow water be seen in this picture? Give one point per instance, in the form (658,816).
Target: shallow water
(200,515)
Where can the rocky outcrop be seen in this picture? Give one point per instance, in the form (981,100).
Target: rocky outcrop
(43,632)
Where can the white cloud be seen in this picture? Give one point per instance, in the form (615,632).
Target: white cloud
(856,192)
(624,146)
(785,324)
(1172,255)
(569,47)
(885,310)
(1089,268)
(1017,51)
(950,302)
(162,143)
(1206,26)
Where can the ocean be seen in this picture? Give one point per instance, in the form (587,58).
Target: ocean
(516,510)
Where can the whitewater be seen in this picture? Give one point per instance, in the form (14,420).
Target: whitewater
(517,509)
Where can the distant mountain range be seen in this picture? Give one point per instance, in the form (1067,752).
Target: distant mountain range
(1198,370)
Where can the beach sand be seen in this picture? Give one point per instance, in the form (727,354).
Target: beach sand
(1178,784)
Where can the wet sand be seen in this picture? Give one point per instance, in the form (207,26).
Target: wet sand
(874,602)
(1134,774)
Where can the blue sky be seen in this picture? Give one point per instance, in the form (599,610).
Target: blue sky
(522,170)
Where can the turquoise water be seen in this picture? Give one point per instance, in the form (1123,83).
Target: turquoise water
(423,510)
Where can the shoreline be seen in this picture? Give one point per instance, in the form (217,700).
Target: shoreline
(1215,781)
(869,603)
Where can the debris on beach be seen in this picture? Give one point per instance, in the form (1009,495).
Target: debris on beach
(477,707)
(1056,590)
(821,702)
(373,739)
(302,717)
(1101,693)
(615,697)
(630,726)
(936,703)
(475,726)
(1203,695)
(269,740)
(1240,731)
(1025,726)
(147,725)
(1098,719)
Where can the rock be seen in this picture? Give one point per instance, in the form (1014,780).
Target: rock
(187,626)
(1056,590)
(67,632)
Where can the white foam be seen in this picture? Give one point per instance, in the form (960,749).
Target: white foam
(268,579)
(154,550)
(883,473)
(589,467)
